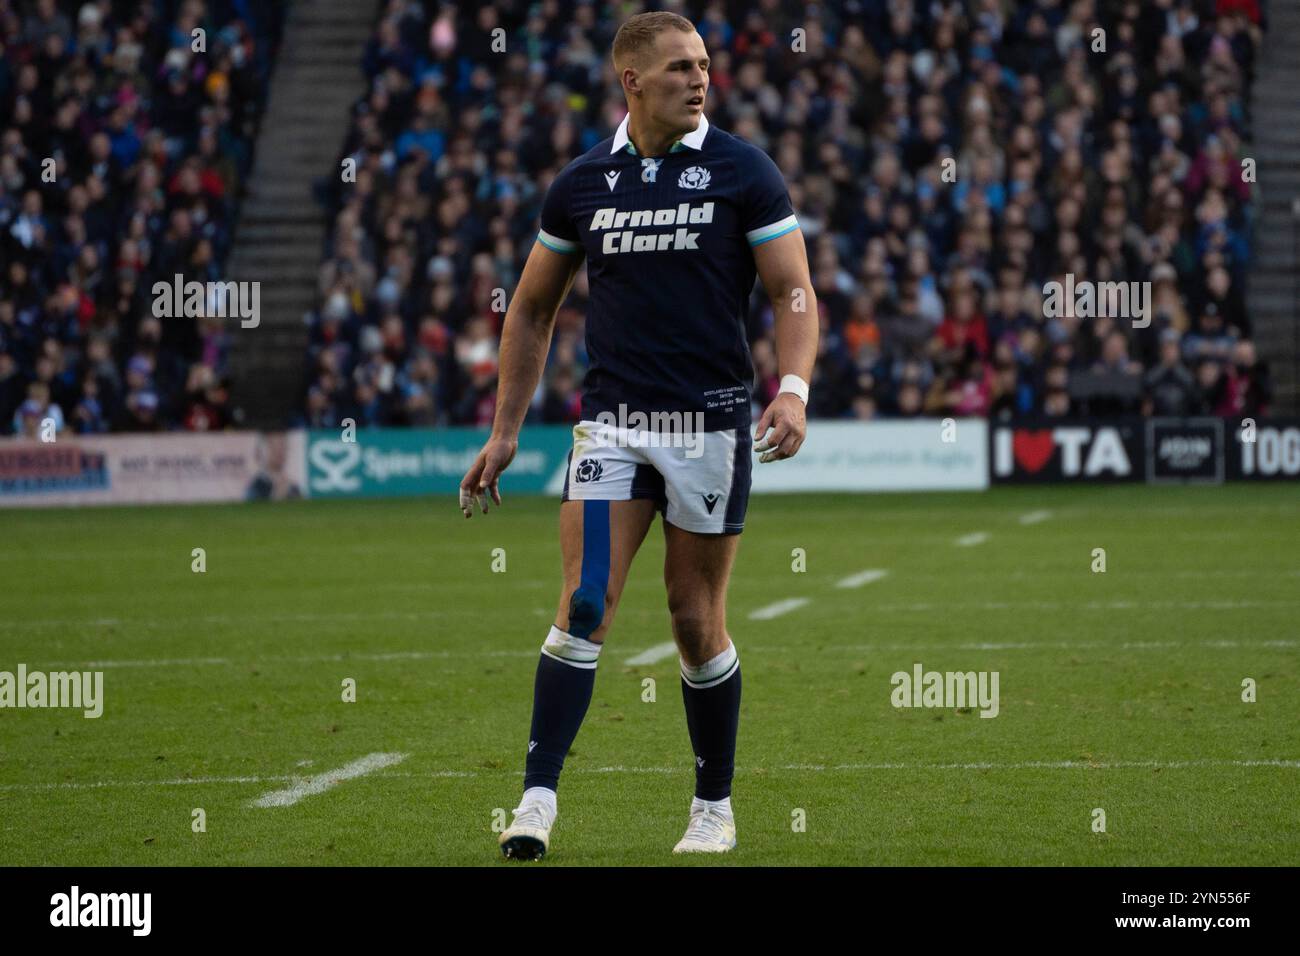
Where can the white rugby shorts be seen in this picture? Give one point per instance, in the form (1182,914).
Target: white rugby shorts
(700,480)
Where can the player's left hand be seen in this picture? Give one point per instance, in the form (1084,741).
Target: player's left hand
(788,423)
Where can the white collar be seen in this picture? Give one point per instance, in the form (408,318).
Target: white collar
(694,139)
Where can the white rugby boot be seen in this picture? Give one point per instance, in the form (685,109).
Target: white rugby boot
(712,828)
(529,835)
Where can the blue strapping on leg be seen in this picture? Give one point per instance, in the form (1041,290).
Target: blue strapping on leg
(587,606)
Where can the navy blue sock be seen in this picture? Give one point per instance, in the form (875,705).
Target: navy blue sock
(566,672)
(561,694)
(711,694)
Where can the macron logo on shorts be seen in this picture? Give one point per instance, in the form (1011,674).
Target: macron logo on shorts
(710,501)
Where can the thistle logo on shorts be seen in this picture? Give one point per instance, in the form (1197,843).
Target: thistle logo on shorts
(627,222)
(589,469)
(696,177)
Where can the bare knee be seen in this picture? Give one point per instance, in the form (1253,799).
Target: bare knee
(699,632)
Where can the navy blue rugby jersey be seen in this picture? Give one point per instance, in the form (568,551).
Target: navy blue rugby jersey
(668,242)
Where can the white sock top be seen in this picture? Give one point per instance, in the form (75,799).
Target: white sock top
(724,805)
(714,671)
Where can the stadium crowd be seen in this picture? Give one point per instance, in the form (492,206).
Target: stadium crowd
(122,153)
(945,159)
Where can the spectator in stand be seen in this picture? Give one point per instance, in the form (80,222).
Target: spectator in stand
(89,416)
(1169,388)
(1248,391)
(560,406)
(29,420)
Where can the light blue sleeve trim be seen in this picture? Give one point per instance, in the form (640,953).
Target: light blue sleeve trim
(556,244)
(772,231)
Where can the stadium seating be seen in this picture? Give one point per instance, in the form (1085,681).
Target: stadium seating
(946,160)
(1121,165)
(149,128)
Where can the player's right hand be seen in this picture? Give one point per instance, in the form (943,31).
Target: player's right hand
(481,480)
(780,432)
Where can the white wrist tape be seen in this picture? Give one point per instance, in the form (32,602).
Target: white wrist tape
(795,386)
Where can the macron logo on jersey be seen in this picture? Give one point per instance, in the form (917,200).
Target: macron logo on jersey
(623,225)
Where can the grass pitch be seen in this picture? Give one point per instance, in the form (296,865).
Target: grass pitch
(1119,690)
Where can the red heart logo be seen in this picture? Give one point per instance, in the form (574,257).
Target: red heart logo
(1033,449)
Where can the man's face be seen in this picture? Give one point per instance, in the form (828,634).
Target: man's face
(675,80)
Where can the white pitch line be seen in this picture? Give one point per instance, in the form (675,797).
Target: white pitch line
(777,609)
(927,606)
(159,662)
(1034,517)
(1052,765)
(653,655)
(1015,645)
(132,784)
(970,540)
(320,783)
(811,768)
(1223,573)
(249,619)
(1032,646)
(861,578)
(299,659)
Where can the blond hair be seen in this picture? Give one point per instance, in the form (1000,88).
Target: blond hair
(636,37)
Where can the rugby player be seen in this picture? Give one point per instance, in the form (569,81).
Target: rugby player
(674,219)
